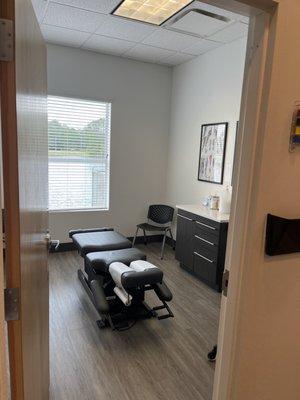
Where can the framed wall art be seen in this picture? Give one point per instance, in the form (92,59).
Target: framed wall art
(212,152)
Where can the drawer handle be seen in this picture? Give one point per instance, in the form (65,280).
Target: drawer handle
(207,259)
(204,240)
(206,226)
(182,216)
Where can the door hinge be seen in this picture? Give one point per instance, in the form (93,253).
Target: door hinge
(6,40)
(225,282)
(12,304)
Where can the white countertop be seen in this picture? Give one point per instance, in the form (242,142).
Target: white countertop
(205,212)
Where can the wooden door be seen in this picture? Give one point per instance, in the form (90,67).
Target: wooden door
(25,166)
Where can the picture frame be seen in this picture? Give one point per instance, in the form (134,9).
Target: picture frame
(212,152)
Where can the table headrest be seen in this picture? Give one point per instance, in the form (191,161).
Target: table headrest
(148,277)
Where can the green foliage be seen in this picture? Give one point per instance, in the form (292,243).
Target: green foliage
(86,142)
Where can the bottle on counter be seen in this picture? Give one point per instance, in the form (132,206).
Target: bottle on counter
(214,203)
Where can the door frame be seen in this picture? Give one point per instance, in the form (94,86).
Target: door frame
(253,114)
(252,118)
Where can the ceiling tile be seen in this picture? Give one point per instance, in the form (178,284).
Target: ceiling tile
(72,18)
(233,32)
(39,8)
(202,47)
(199,24)
(102,6)
(170,40)
(148,53)
(107,45)
(122,29)
(62,36)
(177,58)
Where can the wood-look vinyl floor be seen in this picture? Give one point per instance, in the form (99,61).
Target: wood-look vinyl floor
(155,360)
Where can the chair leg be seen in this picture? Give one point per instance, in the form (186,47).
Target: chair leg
(163,246)
(145,237)
(171,236)
(135,236)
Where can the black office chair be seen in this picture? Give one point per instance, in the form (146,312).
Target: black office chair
(162,215)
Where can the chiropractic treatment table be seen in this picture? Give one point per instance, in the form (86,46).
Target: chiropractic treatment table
(116,277)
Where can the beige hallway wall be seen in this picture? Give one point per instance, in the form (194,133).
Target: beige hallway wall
(267,351)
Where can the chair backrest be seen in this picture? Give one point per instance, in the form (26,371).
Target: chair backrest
(160,213)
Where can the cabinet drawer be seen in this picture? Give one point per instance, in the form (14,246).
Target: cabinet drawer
(207,235)
(205,268)
(206,248)
(186,215)
(208,228)
(210,224)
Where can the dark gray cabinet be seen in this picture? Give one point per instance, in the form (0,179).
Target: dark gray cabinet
(201,247)
(184,247)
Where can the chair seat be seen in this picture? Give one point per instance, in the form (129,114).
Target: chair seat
(100,261)
(148,227)
(100,241)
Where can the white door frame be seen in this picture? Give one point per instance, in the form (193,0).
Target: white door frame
(252,117)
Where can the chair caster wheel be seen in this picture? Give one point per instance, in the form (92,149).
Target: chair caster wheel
(212,355)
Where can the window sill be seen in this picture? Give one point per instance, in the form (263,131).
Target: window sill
(82,210)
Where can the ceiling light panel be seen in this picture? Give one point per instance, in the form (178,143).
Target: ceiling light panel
(152,11)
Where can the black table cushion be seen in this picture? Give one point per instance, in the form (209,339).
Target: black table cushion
(100,241)
(100,261)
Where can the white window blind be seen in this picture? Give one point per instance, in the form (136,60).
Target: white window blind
(79,147)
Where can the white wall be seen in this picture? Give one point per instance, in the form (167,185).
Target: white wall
(140,95)
(205,90)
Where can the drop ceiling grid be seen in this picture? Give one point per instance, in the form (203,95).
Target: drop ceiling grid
(87,24)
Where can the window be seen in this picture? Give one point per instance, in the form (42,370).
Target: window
(79,146)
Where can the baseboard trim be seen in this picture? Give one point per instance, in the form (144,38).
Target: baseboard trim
(69,246)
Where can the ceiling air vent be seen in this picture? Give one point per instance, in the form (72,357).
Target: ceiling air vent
(199,22)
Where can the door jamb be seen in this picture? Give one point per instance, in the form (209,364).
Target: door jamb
(252,121)
(4,369)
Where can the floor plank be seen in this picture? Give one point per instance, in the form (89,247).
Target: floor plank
(155,360)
